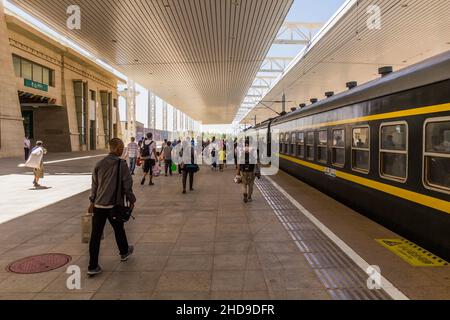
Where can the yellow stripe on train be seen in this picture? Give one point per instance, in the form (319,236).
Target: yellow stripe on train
(422,199)
(383,116)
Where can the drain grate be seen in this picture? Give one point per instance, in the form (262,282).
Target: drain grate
(343,279)
(39,264)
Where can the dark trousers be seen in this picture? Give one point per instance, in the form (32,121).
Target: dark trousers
(27,153)
(98,225)
(168,164)
(191,179)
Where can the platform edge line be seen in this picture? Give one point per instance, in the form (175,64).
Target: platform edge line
(387,286)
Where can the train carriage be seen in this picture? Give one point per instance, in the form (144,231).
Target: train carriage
(382,148)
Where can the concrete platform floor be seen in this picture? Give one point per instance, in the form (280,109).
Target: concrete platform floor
(207,244)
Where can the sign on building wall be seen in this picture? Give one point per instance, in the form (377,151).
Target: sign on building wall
(35,85)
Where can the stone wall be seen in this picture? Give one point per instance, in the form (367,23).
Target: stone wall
(56,125)
(11,123)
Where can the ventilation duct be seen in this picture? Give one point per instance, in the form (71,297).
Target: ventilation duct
(352,84)
(384,71)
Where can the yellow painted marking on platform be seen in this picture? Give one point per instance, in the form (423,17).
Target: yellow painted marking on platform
(412,253)
(422,199)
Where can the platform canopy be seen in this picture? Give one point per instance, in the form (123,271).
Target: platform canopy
(347,49)
(201,56)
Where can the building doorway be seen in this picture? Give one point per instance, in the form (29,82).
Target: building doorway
(28,123)
(92,134)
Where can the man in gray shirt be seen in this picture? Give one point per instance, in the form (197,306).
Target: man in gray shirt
(167,153)
(109,190)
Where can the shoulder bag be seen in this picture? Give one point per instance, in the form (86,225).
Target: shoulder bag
(121,213)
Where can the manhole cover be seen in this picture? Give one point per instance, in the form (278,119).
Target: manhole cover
(39,264)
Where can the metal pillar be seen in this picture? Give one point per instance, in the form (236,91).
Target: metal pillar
(151,112)
(175,122)
(165,116)
(130,95)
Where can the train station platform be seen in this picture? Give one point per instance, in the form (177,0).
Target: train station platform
(291,242)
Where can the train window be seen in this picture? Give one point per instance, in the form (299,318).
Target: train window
(281,140)
(394,151)
(287,138)
(301,145)
(310,146)
(293,138)
(437,154)
(322,147)
(361,149)
(338,149)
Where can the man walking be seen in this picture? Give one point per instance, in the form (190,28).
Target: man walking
(133,149)
(36,162)
(248,170)
(111,183)
(148,154)
(167,153)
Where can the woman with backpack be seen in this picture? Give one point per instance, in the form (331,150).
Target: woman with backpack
(148,155)
(248,171)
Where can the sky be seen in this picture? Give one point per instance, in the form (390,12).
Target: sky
(306,11)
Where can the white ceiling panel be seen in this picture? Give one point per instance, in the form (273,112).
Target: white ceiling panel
(199,55)
(411,31)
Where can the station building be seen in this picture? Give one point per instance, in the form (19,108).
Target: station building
(62,98)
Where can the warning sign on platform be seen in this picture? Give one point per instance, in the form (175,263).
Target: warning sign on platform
(412,253)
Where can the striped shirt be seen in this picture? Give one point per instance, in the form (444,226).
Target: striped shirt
(133,150)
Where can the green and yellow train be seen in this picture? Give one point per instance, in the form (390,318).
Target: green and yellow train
(382,148)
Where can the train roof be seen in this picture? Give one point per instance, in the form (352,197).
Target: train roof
(429,71)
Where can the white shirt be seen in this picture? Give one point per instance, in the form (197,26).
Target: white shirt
(26,143)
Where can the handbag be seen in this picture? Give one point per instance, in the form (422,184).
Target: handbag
(120,213)
(192,167)
(86,227)
(156,170)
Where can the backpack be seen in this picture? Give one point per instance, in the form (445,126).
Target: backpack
(146,150)
(247,167)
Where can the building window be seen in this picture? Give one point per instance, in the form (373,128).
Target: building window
(338,148)
(33,71)
(17,67)
(310,145)
(301,145)
(437,154)
(361,149)
(322,147)
(27,69)
(394,151)
(37,73)
(292,151)
(46,76)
